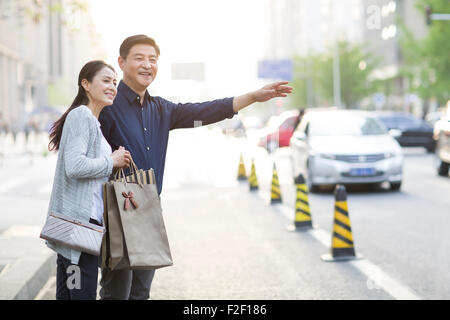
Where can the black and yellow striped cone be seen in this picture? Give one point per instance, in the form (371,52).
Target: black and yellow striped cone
(241,170)
(252,179)
(302,218)
(342,246)
(275,193)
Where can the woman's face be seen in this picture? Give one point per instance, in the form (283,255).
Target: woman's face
(102,90)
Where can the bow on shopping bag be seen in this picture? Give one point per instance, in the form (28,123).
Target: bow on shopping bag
(129,197)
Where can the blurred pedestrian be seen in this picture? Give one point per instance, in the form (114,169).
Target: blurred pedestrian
(142,122)
(84,163)
(299,118)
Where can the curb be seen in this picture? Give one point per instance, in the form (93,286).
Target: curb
(23,278)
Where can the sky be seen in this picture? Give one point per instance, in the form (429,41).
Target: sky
(228,36)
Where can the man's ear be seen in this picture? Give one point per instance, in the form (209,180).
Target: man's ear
(121,62)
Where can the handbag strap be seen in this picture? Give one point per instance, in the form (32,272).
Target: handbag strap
(78,222)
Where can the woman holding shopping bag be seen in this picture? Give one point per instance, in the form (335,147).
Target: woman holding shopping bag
(84,163)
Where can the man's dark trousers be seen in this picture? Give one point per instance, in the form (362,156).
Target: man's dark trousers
(125,284)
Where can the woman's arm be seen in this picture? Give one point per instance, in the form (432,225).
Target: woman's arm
(80,129)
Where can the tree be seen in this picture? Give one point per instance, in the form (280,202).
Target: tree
(355,68)
(306,71)
(426,61)
(35,9)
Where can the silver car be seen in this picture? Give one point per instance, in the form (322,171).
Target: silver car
(345,147)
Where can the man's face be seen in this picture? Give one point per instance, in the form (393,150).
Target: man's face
(140,66)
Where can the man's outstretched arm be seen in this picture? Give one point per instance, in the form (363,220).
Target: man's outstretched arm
(273,90)
(185,115)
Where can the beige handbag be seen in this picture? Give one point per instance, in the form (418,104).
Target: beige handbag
(78,235)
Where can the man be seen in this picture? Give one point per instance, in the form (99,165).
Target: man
(141,123)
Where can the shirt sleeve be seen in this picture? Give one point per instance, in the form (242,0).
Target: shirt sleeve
(107,125)
(77,164)
(188,115)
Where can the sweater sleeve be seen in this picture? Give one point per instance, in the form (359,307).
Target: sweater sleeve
(77,165)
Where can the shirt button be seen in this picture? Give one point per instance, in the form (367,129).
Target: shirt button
(145,129)
(148,148)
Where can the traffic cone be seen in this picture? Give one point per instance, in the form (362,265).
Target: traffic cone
(342,246)
(275,195)
(252,179)
(241,170)
(302,212)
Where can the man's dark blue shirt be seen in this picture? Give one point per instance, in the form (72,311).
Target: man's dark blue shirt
(144,129)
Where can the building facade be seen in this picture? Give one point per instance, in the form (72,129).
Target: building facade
(302,27)
(43,45)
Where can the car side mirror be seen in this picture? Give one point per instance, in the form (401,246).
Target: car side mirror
(395,133)
(299,135)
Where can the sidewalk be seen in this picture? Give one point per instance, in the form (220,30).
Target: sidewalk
(25,263)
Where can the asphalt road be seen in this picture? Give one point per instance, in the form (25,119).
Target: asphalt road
(230,244)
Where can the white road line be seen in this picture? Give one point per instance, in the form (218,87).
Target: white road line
(384,281)
(373,273)
(12,183)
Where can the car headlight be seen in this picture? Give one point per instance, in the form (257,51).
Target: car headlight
(388,155)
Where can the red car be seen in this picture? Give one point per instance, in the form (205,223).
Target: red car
(279,130)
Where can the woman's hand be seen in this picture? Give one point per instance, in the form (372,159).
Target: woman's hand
(121,158)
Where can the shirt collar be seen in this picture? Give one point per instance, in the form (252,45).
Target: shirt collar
(129,93)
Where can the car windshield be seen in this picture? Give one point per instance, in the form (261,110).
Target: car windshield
(399,121)
(345,125)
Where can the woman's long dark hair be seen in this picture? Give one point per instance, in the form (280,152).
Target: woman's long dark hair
(88,72)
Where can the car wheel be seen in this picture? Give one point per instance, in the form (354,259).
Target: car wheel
(395,186)
(443,168)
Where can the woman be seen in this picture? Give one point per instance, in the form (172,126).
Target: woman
(84,163)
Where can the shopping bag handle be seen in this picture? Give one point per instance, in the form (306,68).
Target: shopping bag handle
(133,170)
(134,166)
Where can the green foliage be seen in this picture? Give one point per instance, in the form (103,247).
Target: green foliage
(355,67)
(35,10)
(306,68)
(427,62)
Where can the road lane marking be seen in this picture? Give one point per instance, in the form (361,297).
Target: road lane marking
(373,273)
(384,281)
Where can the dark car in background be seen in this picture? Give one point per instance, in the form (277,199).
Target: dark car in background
(408,130)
